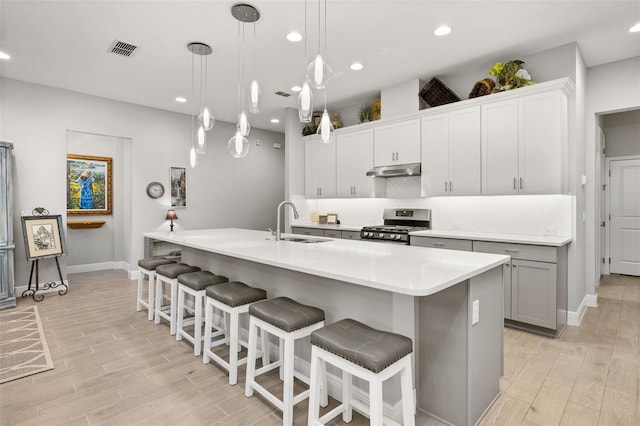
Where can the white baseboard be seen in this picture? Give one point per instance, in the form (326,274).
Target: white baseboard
(90,267)
(575,317)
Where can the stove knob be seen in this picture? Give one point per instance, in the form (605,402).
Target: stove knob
(397,237)
(381,235)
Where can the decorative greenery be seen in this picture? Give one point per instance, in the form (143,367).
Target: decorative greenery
(309,130)
(510,75)
(376,109)
(365,113)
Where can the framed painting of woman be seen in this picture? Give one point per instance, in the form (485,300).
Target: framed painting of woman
(88,185)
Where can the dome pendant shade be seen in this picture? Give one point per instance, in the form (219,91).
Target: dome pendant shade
(305,103)
(254,97)
(318,72)
(325,129)
(243,124)
(201,139)
(238,146)
(206,119)
(193,157)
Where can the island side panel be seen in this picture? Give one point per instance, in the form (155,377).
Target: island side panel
(485,343)
(443,348)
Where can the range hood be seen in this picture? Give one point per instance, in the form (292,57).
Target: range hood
(395,170)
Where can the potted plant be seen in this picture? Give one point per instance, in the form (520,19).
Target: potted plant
(365,113)
(510,75)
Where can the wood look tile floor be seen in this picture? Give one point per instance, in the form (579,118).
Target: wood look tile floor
(113,367)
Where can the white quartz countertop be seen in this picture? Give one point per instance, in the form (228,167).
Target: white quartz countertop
(541,240)
(415,271)
(340,227)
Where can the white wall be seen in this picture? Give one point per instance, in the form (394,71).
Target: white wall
(222,191)
(613,87)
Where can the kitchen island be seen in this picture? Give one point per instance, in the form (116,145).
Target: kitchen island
(423,293)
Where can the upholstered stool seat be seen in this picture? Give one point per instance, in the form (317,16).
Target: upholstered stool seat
(233,299)
(168,274)
(288,320)
(367,353)
(194,284)
(148,267)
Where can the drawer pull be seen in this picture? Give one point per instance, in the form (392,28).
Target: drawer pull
(438,244)
(510,251)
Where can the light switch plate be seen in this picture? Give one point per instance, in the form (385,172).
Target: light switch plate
(476,312)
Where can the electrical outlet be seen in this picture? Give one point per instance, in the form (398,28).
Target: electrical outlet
(476,312)
(550,231)
(276,145)
(25,213)
(258,142)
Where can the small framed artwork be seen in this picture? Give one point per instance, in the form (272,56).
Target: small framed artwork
(332,218)
(88,185)
(43,236)
(178,180)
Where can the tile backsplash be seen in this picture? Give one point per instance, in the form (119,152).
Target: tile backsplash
(511,214)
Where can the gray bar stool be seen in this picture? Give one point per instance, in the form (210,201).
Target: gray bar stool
(232,299)
(148,267)
(168,274)
(194,284)
(288,320)
(361,351)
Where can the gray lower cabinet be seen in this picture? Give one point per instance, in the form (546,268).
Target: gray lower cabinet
(330,233)
(316,232)
(535,281)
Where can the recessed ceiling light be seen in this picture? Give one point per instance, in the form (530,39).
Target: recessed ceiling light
(635,28)
(181,99)
(4,55)
(296,89)
(275,120)
(356,66)
(294,36)
(442,31)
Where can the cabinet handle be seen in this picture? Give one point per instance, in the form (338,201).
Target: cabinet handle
(320,189)
(514,183)
(354,190)
(510,251)
(445,186)
(397,155)
(521,185)
(438,244)
(450,186)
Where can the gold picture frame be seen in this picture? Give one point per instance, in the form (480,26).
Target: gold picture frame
(43,236)
(89,190)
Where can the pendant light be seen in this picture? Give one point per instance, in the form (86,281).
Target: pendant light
(318,70)
(326,129)
(305,97)
(205,119)
(238,145)
(254,87)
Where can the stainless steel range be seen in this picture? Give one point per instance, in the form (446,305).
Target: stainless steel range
(397,225)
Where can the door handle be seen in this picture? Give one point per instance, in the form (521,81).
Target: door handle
(450,186)
(397,155)
(445,186)
(521,183)
(354,190)
(514,183)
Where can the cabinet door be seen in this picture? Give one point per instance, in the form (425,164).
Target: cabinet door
(354,159)
(408,141)
(384,144)
(500,148)
(331,233)
(533,293)
(464,152)
(307,231)
(542,147)
(435,155)
(506,282)
(320,169)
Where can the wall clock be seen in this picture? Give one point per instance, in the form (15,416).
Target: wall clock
(155,190)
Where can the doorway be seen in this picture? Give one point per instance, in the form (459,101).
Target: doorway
(623,197)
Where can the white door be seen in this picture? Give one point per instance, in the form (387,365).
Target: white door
(624,208)
(602,205)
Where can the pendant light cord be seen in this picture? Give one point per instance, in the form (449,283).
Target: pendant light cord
(193,105)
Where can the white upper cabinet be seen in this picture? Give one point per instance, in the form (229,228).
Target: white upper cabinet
(524,145)
(320,168)
(354,160)
(451,153)
(397,143)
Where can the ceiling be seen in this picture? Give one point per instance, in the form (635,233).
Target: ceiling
(64,44)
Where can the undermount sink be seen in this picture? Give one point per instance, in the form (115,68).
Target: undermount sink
(303,240)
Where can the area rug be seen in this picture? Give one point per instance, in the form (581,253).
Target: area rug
(23,348)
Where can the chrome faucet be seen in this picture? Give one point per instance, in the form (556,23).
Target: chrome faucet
(295,215)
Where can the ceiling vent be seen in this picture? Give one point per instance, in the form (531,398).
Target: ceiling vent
(283,94)
(121,48)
